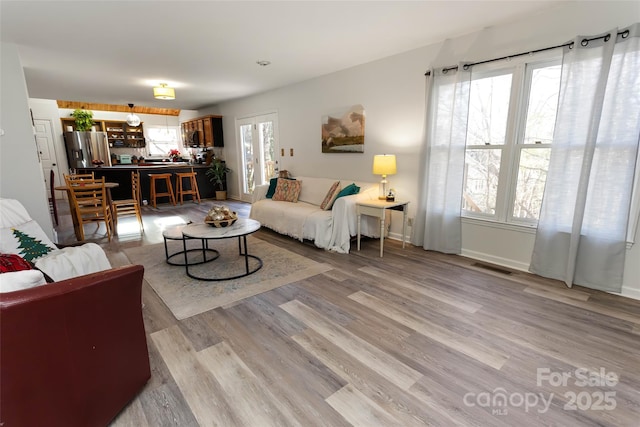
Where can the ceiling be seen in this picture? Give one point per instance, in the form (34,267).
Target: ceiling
(114,52)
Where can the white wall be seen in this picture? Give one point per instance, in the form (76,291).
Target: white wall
(392,93)
(21,175)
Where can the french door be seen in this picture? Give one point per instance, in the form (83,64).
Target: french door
(259,148)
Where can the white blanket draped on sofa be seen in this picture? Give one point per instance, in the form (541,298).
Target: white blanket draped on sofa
(332,229)
(21,235)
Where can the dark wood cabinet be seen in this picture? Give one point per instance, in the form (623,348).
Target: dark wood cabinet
(119,133)
(203,132)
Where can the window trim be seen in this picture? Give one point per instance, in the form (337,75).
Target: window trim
(150,141)
(521,70)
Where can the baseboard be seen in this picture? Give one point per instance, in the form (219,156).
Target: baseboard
(626,291)
(630,293)
(397,236)
(504,262)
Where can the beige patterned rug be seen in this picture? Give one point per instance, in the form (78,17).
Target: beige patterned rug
(187,297)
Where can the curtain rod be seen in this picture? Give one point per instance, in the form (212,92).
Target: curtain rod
(584,42)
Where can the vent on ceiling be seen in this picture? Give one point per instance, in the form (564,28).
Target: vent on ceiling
(491,268)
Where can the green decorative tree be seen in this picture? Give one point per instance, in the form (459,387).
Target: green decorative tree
(32,248)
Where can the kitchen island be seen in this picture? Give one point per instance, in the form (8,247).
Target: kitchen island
(122,175)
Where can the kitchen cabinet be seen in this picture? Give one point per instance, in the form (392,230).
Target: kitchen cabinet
(203,132)
(119,133)
(122,175)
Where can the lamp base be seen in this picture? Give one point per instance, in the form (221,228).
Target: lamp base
(382,188)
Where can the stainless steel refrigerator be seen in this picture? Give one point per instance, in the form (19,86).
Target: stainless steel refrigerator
(84,147)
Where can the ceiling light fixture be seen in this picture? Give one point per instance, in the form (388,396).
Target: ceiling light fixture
(263,63)
(132,119)
(164,92)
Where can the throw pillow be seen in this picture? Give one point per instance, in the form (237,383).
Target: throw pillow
(273,182)
(348,190)
(287,190)
(13,262)
(18,280)
(272,187)
(331,196)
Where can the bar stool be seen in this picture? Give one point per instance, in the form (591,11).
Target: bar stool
(167,179)
(181,192)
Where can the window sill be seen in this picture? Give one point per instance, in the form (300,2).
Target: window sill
(521,228)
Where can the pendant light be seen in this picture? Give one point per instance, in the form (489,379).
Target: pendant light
(132,119)
(164,92)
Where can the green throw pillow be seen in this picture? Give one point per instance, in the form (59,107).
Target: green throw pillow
(272,187)
(348,191)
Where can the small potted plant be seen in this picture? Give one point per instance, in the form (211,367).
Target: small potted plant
(174,154)
(84,119)
(217,173)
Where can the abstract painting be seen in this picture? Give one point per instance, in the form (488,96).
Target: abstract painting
(343,131)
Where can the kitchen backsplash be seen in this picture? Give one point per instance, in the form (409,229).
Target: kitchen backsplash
(129,150)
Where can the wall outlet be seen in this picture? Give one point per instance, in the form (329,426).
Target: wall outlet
(410,222)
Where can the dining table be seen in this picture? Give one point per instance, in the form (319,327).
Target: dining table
(76,225)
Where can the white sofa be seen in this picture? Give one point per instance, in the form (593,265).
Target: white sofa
(328,229)
(21,235)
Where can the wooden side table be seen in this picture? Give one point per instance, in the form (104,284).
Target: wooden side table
(378,208)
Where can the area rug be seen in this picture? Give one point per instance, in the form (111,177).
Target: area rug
(187,297)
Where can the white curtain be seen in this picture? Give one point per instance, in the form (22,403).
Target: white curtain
(581,237)
(437,224)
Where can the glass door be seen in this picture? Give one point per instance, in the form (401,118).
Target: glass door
(258,142)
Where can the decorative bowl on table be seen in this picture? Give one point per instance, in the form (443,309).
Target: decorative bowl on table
(220,216)
(221,223)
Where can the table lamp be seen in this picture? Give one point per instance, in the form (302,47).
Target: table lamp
(384,164)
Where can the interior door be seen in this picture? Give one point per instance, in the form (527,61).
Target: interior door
(259,149)
(47,152)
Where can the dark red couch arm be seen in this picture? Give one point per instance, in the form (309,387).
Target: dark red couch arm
(72,353)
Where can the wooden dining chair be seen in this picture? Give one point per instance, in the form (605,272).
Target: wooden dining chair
(78,177)
(81,179)
(90,205)
(129,206)
(52,199)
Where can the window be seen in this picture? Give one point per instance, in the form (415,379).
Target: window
(512,113)
(161,139)
(258,138)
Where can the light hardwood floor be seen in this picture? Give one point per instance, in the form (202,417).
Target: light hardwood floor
(415,338)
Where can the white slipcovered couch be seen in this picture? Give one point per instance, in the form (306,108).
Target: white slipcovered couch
(328,229)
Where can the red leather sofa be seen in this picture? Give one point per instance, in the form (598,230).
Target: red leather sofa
(74,352)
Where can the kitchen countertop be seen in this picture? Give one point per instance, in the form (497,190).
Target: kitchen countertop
(159,165)
(122,174)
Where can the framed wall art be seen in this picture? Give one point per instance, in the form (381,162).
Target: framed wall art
(343,131)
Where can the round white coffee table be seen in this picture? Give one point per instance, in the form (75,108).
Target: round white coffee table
(175,234)
(204,232)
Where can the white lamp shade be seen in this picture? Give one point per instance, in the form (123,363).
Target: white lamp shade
(133,120)
(164,92)
(384,164)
